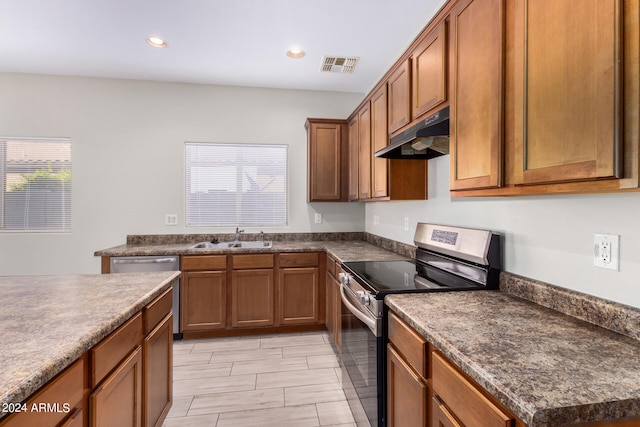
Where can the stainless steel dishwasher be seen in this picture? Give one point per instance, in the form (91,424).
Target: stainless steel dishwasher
(142,264)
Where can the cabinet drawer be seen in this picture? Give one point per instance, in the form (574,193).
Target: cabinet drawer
(203,262)
(299,259)
(65,389)
(106,355)
(252,261)
(411,345)
(157,309)
(331,266)
(463,398)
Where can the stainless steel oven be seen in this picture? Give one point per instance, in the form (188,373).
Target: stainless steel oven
(362,342)
(447,259)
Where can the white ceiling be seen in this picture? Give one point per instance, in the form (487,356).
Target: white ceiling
(226,42)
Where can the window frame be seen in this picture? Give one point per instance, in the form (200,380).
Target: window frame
(235,222)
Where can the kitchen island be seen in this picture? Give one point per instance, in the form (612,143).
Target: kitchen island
(49,322)
(547,368)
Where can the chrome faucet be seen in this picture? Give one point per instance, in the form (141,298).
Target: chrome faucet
(238,231)
(262,236)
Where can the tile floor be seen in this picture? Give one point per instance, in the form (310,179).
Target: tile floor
(259,381)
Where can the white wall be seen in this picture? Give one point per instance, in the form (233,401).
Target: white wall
(548,238)
(128,139)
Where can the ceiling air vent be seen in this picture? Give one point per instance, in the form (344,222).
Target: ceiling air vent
(338,64)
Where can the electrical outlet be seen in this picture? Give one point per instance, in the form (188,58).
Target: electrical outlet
(318,218)
(376,219)
(406,223)
(606,251)
(171,219)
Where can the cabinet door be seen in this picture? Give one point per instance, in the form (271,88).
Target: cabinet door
(354,159)
(568,105)
(399,97)
(158,351)
(379,140)
(298,295)
(118,400)
(325,168)
(203,297)
(440,415)
(406,394)
(429,77)
(364,152)
(477,69)
(252,298)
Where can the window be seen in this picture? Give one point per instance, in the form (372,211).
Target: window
(236,185)
(35,176)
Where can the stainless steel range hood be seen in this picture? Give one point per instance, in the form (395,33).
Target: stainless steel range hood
(425,140)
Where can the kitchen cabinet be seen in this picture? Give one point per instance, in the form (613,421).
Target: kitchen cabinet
(298,288)
(407,374)
(379,140)
(203,292)
(399,93)
(477,29)
(334,304)
(460,399)
(364,151)
(354,159)
(123,380)
(244,293)
(66,388)
(429,71)
(570,98)
(157,351)
(328,160)
(569,91)
(118,400)
(381,179)
(252,290)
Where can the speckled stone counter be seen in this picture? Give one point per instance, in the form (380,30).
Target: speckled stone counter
(48,322)
(548,368)
(343,246)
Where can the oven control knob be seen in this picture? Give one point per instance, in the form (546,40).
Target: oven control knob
(364,298)
(344,278)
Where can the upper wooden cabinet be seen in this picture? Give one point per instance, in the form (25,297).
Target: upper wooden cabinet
(364,152)
(429,66)
(477,29)
(327,160)
(399,93)
(354,159)
(379,140)
(569,84)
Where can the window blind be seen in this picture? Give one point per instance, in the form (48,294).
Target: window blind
(35,177)
(235,184)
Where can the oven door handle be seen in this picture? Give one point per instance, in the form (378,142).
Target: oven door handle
(369,321)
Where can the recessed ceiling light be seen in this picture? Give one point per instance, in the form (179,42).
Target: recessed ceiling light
(295,53)
(156,42)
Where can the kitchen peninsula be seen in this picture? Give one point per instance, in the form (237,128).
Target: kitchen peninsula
(60,330)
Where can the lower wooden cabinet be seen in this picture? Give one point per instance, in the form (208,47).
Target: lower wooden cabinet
(158,373)
(118,400)
(252,293)
(203,296)
(125,380)
(298,296)
(406,393)
(333,302)
(440,415)
(243,293)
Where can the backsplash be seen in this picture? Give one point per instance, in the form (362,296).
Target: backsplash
(167,239)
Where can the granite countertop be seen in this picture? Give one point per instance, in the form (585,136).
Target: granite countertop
(546,367)
(342,250)
(48,322)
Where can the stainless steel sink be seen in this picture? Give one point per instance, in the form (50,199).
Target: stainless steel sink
(233,245)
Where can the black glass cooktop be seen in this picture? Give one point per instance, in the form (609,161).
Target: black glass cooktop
(386,277)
